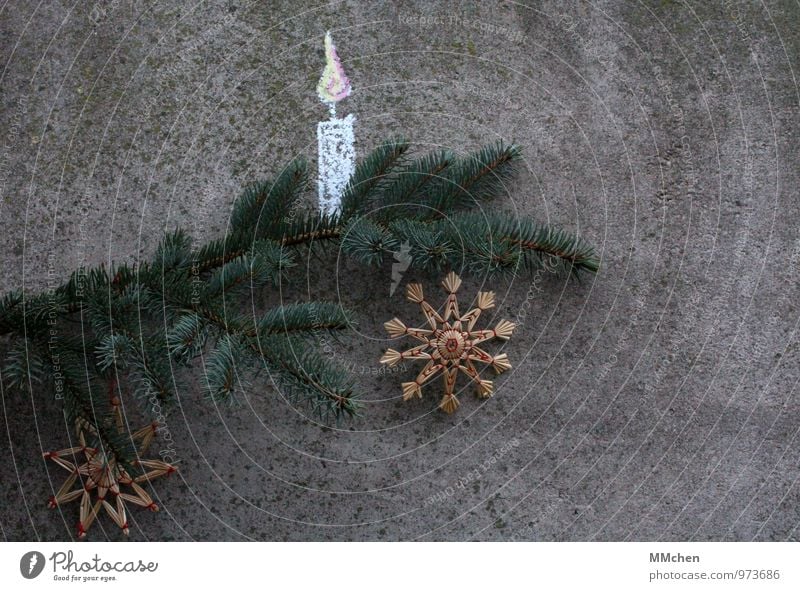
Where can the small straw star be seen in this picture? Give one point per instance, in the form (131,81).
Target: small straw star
(102,474)
(449,343)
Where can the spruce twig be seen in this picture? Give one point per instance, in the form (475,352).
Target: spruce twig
(139,320)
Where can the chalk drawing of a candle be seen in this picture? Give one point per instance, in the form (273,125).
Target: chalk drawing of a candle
(337,154)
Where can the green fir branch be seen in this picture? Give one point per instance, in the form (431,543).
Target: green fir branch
(265,205)
(134,321)
(307,376)
(371,174)
(306,317)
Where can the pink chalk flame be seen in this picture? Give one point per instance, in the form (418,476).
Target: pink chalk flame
(333,85)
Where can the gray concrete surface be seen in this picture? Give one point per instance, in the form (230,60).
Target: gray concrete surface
(656,401)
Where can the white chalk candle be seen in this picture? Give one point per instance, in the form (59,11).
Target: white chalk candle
(336,140)
(337,160)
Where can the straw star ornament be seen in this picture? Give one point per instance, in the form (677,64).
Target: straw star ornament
(96,471)
(450,344)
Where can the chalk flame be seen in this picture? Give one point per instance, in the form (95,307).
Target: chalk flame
(333,85)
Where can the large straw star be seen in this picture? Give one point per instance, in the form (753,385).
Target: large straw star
(96,471)
(450,344)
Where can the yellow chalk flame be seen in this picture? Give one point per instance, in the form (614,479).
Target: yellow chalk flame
(333,85)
